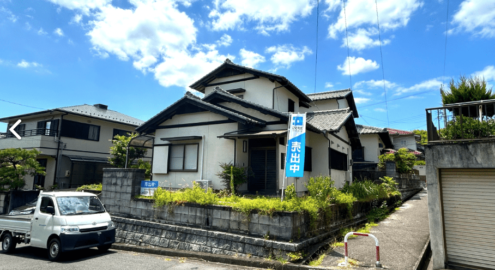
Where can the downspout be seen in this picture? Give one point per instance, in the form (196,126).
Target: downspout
(202,156)
(325,134)
(58,149)
(235,148)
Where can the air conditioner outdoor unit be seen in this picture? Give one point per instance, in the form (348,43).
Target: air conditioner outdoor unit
(67,173)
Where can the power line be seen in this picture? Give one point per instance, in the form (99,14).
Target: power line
(446,36)
(381,56)
(417,93)
(21,104)
(316,56)
(348,54)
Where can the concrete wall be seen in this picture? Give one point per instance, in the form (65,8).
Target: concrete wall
(460,155)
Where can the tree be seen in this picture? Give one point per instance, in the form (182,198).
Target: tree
(15,163)
(119,151)
(423,134)
(404,160)
(466,89)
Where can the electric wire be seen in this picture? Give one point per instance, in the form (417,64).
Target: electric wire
(347,40)
(381,56)
(316,54)
(21,104)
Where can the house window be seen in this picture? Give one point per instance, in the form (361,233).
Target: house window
(120,132)
(81,131)
(358,154)
(48,128)
(282,161)
(380,145)
(291,105)
(184,157)
(20,129)
(337,160)
(403,142)
(308,159)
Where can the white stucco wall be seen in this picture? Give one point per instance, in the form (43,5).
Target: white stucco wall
(321,105)
(338,176)
(216,150)
(282,96)
(370,143)
(410,142)
(250,112)
(257,90)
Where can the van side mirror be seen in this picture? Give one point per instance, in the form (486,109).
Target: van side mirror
(50,210)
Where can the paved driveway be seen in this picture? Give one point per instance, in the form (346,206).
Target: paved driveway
(27,257)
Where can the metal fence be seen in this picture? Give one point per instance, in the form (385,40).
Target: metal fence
(31,132)
(465,121)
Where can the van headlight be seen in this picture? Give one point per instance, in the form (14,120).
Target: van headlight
(69,229)
(111,224)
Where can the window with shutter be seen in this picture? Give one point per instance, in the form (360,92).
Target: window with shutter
(81,131)
(291,105)
(338,160)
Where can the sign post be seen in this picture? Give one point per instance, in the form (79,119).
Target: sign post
(296,145)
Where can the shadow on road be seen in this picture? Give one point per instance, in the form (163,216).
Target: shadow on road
(29,252)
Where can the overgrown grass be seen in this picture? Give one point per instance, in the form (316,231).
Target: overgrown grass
(322,194)
(91,187)
(318,261)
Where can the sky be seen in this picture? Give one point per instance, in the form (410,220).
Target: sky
(140,56)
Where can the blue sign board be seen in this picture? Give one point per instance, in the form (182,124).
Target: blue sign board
(296,146)
(148,187)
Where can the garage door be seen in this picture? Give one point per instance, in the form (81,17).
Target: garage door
(469,216)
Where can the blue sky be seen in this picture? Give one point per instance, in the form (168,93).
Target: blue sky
(139,56)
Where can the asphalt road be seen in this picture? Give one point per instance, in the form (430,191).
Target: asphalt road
(26,257)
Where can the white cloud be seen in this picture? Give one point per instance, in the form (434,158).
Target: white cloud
(77,19)
(361,39)
(432,84)
(70,42)
(269,16)
(488,74)
(8,14)
(358,65)
(25,64)
(41,32)
(362,92)
(225,40)
(84,6)
(28,26)
(374,84)
(58,32)
(476,17)
(379,110)
(251,59)
(361,15)
(359,100)
(285,55)
(328,85)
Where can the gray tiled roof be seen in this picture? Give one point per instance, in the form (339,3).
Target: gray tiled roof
(330,120)
(329,94)
(109,115)
(362,129)
(155,120)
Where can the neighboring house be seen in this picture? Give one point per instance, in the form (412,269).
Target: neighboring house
(74,142)
(460,174)
(242,119)
(332,100)
(403,139)
(374,141)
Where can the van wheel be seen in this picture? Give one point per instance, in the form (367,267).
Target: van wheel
(104,248)
(54,249)
(8,243)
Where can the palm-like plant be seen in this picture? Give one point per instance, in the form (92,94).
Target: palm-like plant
(466,89)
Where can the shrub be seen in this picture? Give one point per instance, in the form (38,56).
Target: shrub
(290,192)
(91,187)
(471,128)
(389,186)
(404,160)
(363,190)
(320,187)
(240,175)
(419,162)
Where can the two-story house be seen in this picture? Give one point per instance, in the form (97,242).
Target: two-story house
(242,119)
(374,142)
(74,142)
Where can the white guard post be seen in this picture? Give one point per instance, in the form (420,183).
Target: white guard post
(378,264)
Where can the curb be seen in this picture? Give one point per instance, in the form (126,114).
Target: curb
(425,255)
(251,262)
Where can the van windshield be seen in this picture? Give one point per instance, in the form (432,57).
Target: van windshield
(82,205)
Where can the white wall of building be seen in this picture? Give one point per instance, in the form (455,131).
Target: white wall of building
(408,141)
(370,142)
(321,105)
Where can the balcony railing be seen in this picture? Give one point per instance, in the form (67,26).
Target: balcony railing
(31,132)
(466,121)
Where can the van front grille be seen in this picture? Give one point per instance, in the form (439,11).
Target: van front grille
(94,229)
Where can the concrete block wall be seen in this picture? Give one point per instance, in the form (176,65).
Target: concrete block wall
(147,233)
